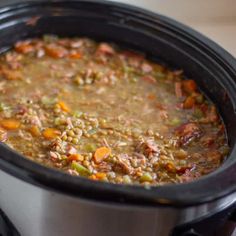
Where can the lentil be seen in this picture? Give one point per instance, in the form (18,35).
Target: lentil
(95,110)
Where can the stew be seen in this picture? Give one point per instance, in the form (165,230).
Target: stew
(95,110)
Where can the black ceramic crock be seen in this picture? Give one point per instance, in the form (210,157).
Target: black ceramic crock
(160,38)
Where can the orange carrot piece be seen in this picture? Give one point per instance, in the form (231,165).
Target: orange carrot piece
(101,154)
(189,103)
(10,124)
(75,157)
(75,55)
(98,176)
(34,130)
(189,86)
(55,51)
(51,133)
(93,177)
(63,106)
(24,47)
(101,175)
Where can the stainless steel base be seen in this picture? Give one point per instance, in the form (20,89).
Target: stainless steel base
(36,211)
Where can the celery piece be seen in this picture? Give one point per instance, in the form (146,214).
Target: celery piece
(83,171)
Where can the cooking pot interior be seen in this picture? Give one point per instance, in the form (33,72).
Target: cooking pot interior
(128,27)
(169,46)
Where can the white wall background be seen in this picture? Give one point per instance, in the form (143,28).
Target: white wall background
(214,18)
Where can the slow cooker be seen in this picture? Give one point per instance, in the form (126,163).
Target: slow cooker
(42,201)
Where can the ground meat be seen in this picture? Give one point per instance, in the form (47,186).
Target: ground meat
(123,164)
(188,132)
(189,176)
(148,148)
(105,49)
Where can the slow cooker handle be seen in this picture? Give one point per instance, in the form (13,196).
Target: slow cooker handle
(218,224)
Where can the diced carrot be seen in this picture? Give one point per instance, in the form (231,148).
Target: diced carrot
(10,124)
(75,157)
(34,130)
(51,133)
(63,106)
(55,51)
(98,176)
(101,154)
(75,55)
(151,96)
(189,103)
(178,89)
(189,86)
(24,47)
(101,175)
(93,177)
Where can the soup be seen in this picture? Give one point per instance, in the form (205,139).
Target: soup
(95,110)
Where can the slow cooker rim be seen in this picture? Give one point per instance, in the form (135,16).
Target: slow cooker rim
(195,192)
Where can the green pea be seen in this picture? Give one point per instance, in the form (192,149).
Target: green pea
(90,147)
(75,140)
